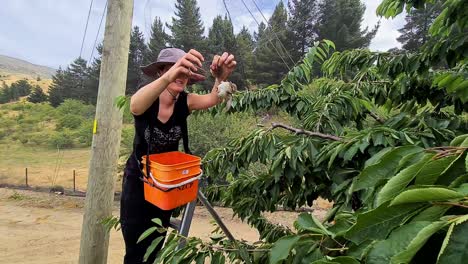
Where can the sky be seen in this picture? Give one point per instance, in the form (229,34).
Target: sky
(50,32)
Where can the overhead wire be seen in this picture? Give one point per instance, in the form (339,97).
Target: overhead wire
(86,27)
(97,34)
(274,32)
(274,46)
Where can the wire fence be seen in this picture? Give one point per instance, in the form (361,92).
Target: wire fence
(37,177)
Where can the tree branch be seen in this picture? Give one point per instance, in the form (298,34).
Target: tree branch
(300,131)
(376,117)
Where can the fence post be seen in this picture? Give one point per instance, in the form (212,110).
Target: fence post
(26,176)
(74,181)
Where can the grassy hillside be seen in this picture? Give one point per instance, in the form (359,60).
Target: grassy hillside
(10,78)
(9,65)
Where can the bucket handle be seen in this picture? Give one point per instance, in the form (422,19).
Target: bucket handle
(172,186)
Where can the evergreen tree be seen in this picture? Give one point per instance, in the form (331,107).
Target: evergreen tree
(272,57)
(245,46)
(20,88)
(158,40)
(414,33)
(76,77)
(56,89)
(37,95)
(260,31)
(340,21)
(303,22)
(137,53)
(4,93)
(221,36)
(187,28)
(92,82)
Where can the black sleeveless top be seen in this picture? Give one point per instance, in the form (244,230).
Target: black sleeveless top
(165,137)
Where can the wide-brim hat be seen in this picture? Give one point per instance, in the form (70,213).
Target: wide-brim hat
(167,56)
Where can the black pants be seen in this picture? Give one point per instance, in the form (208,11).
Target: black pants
(135,218)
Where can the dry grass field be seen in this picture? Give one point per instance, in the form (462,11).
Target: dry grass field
(10,78)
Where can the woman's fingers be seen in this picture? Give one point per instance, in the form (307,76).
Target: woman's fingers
(223,58)
(194,59)
(196,54)
(229,59)
(232,64)
(189,65)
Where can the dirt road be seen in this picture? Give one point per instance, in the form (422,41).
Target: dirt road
(44,228)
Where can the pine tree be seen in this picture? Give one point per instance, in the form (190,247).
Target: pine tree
(340,21)
(272,56)
(92,82)
(187,28)
(137,53)
(245,46)
(56,89)
(158,40)
(221,36)
(4,93)
(37,95)
(76,77)
(303,22)
(414,33)
(260,31)
(20,88)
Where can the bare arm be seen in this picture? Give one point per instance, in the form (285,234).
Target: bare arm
(221,68)
(199,102)
(145,96)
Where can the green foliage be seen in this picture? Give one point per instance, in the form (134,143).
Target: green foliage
(187,27)
(136,57)
(37,95)
(340,21)
(71,121)
(157,41)
(378,135)
(415,32)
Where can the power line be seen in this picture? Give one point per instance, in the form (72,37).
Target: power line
(97,34)
(285,50)
(281,57)
(86,27)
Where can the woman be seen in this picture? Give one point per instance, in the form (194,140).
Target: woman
(163,107)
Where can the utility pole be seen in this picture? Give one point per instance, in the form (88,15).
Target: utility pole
(107,133)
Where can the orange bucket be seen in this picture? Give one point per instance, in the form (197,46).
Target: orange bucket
(173,179)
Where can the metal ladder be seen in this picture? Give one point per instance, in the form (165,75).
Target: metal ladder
(183,225)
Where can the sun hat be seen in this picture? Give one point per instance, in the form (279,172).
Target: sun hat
(166,56)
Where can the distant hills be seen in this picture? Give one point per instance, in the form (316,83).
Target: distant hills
(17,66)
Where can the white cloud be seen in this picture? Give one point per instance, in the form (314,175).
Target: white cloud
(387,34)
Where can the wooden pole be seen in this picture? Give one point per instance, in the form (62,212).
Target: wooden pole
(26,175)
(107,133)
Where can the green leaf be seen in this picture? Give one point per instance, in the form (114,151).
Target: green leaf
(145,234)
(398,183)
(281,248)
(428,194)
(397,242)
(433,169)
(377,223)
(307,221)
(432,213)
(338,260)
(330,43)
(371,175)
(454,249)
(152,247)
(417,242)
(157,221)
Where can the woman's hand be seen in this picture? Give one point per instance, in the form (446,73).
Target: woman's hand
(222,66)
(185,67)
